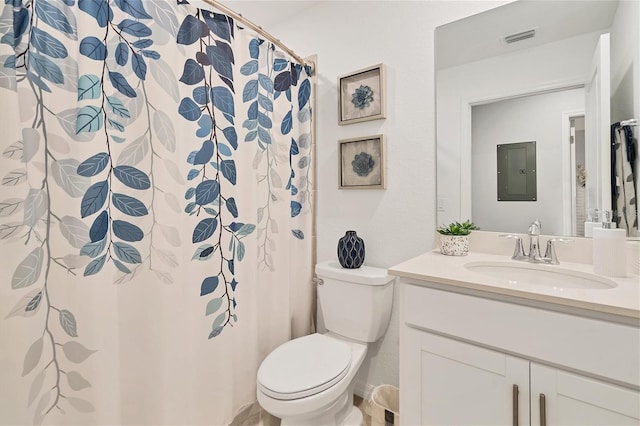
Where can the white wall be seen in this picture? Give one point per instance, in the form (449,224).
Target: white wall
(625,62)
(530,118)
(397,223)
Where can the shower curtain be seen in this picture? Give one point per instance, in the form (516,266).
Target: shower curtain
(155,211)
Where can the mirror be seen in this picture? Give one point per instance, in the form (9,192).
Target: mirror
(551,89)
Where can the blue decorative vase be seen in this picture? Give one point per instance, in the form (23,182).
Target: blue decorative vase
(351,250)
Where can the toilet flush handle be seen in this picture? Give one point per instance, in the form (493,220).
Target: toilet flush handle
(318,281)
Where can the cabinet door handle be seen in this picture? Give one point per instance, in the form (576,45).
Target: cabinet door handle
(543,410)
(515,405)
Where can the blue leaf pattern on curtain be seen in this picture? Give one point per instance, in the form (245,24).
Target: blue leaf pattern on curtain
(214,167)
(112,155)
(260,92)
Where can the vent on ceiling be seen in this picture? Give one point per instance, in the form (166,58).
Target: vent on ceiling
(512,38)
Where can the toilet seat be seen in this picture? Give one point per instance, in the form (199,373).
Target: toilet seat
(304,366)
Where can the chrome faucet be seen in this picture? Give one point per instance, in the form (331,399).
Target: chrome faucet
(534,243)
(534,255)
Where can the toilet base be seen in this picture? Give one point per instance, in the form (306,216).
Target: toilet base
(349,415)
(354,418)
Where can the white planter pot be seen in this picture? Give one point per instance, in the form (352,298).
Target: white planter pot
(454,245)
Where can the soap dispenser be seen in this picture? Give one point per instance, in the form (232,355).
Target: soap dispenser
(609,248)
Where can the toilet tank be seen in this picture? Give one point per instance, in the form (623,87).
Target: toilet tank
(355,303)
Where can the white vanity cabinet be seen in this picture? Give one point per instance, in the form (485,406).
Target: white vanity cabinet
(466,359)
(573,399)
(449,382)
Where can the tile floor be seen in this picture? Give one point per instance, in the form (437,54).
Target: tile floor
(254,415)
(363,405)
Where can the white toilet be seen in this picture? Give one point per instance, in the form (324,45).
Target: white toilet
(309,380)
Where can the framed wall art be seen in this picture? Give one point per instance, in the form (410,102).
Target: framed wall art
(361,163)
(361,95)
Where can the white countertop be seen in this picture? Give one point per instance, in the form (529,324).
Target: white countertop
(622,300)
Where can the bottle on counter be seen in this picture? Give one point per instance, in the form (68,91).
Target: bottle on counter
(609,248)
(592,222)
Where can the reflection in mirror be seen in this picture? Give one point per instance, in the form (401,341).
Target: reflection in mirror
(554,88)
(510,121)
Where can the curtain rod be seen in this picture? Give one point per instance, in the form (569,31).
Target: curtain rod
(259,30)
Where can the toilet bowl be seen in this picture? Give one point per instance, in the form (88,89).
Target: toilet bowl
(310,380)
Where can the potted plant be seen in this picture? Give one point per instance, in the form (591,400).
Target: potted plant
(454,238)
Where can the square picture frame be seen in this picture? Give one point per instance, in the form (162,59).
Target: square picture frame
(361,163)
(362,95)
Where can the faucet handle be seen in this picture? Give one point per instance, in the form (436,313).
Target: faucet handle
(518,251)
(550,254)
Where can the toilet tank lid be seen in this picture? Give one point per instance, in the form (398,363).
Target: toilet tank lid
(369,275)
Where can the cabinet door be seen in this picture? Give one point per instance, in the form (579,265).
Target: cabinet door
(448,382)
(570,399)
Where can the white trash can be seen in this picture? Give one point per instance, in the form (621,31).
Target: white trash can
(385,406)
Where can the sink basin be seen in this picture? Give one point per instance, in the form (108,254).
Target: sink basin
(540,275)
